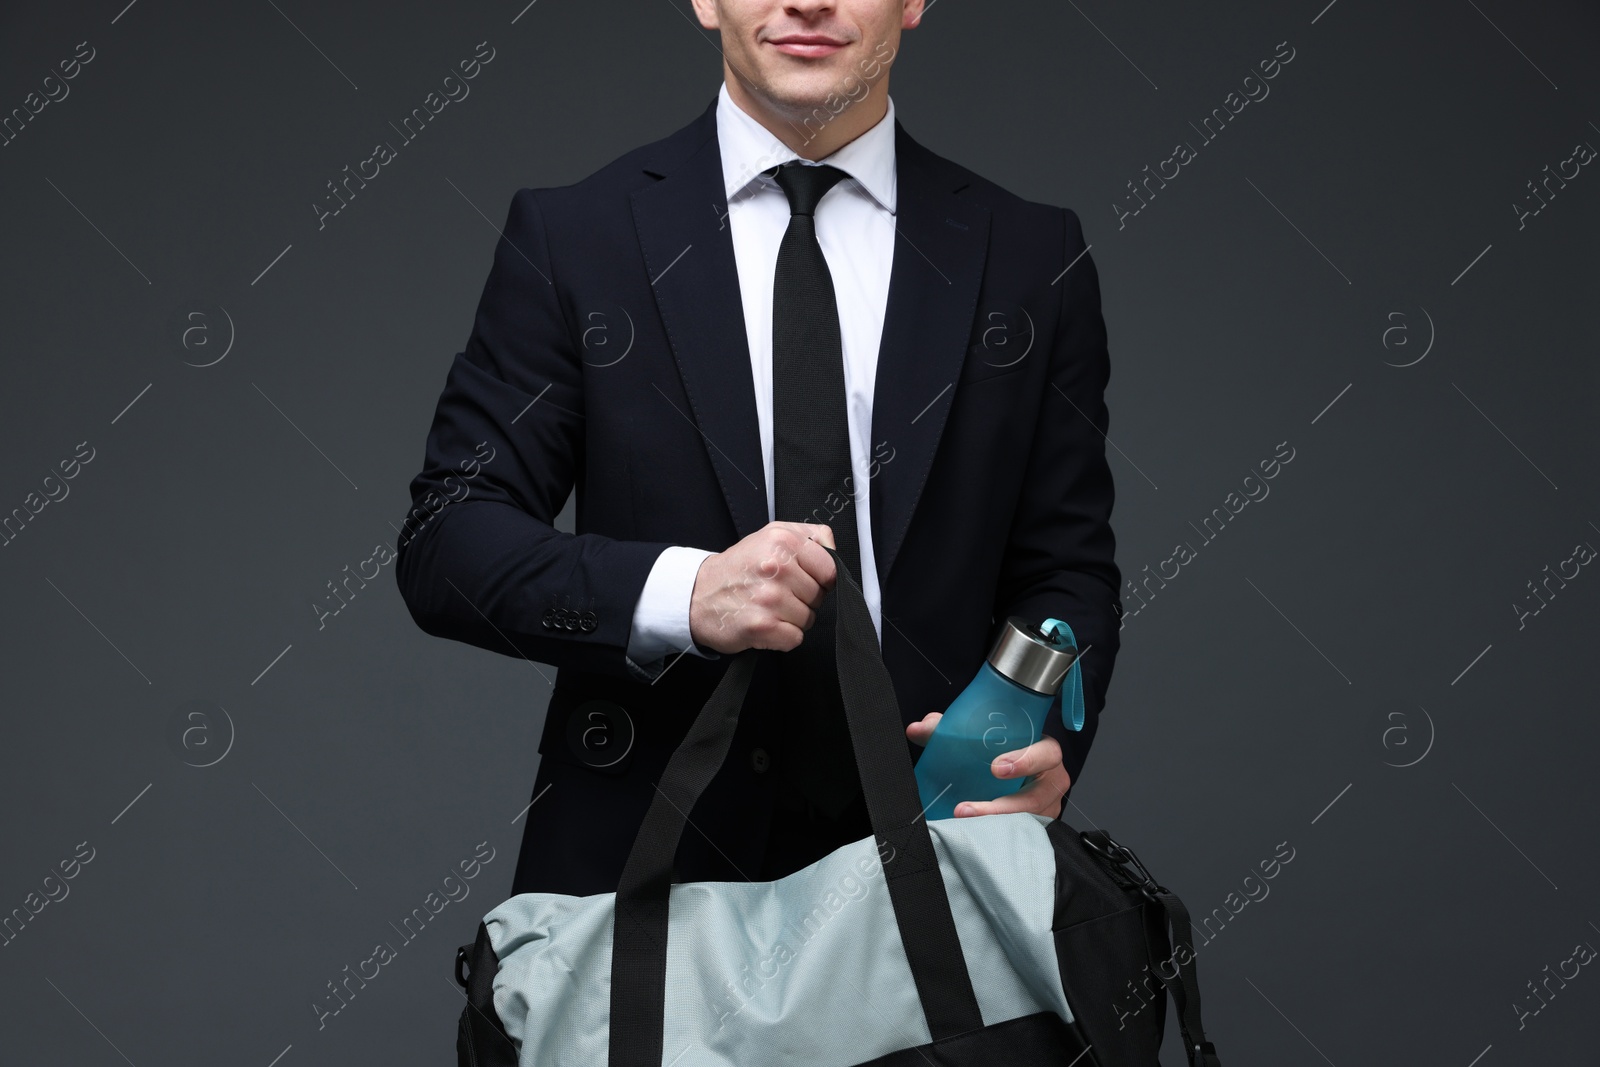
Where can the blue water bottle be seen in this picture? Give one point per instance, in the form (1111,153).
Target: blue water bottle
(1002,709)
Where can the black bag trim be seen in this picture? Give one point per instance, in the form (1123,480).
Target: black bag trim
(1097,878)
(1039,1040)
(911,869)
(481,1039)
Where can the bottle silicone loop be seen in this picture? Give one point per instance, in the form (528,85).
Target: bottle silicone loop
(1072,685)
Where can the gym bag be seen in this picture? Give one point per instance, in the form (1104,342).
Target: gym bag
(953,943)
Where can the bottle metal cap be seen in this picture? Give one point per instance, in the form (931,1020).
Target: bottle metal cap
(1031,659)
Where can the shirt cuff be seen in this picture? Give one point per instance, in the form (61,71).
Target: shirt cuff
(661,617)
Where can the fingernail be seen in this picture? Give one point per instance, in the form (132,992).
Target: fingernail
(1004,767)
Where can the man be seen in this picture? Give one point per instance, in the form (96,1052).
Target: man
(785,326)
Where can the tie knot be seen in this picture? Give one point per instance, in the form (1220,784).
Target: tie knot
(804,184)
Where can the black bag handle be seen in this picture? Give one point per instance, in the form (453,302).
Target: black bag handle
(911,867)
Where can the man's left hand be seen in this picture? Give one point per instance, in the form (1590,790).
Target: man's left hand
(1040,763)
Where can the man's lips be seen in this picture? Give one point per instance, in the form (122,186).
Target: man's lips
(808,45)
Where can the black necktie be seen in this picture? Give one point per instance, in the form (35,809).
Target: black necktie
(812,480)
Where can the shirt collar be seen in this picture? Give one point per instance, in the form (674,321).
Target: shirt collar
(748,148)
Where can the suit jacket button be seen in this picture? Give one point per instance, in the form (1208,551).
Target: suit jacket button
(587,622)
(548,621)
(759,760)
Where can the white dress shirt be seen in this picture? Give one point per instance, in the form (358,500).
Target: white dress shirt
(855,227)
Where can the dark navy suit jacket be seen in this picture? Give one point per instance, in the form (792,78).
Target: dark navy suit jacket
(609,356)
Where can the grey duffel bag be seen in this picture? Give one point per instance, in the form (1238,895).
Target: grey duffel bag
(996,939)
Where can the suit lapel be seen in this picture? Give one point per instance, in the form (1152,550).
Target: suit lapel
(940,246)
(681,221)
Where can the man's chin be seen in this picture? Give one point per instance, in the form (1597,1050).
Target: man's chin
(801,96)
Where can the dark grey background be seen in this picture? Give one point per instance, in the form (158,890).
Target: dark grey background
(1264,696)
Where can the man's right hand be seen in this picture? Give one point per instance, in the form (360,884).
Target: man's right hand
(764,591)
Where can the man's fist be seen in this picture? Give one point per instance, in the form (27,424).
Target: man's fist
(764,591)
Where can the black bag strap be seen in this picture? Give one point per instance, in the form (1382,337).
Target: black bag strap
(1168,911)
(910,865)
(1185,985)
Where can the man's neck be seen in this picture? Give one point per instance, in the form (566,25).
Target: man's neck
(810,141)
